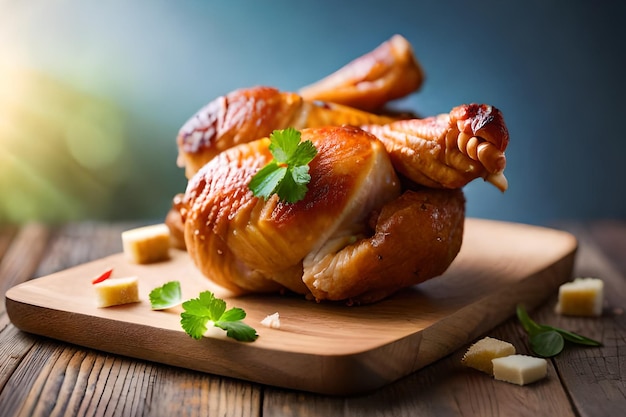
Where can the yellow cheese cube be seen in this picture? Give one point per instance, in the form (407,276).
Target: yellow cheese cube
(581,297)
(117,291)
(480,354)
(519,369)
(147,244)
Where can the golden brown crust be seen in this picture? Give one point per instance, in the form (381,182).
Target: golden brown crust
(445,151)
(320,245)
(416,237)
(238,117)
(245,242)
(174,222)
(320,114)
(370,81)
(212,196)
(249,114)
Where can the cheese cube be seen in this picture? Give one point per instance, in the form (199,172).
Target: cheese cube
(480,354)
(581,297)
(147,244)
(519,369)
(117,291)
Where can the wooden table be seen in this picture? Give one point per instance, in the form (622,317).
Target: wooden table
(44,377)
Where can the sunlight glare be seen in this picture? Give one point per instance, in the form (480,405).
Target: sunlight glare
(95,136)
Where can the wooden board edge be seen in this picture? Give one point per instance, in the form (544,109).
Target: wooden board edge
(337,375)
(327,374)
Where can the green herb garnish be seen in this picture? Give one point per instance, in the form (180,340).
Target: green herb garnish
(166,296)
(288,173)
(200,312)
(548,341)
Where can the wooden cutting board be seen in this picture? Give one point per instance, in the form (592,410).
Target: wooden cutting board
(324,348)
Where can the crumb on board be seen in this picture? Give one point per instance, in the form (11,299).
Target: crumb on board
(272,321)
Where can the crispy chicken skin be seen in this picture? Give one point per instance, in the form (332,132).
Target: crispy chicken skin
(415,238)
(444,151)
(174,222)
(249,114)
(449,150)
(246,243)
(241,116)
(369,82)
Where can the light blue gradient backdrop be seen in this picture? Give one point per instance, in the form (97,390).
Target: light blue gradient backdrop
(555,69)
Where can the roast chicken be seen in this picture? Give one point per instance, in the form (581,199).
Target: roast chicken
(385,208)
(353,237)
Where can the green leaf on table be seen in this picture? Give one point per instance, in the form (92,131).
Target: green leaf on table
(548,341)
(547,344)
(167,296)
(529,325)
(574,337)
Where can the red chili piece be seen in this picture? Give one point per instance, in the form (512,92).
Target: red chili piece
(102,277)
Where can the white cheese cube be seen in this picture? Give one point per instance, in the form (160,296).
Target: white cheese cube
(581,297)
(272,321)
(117,291)
(519,369)
(147,244)
(480,354)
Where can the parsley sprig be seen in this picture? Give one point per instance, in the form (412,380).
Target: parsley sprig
(288,173)
(167,296)
(548,341)
(206,309)
(202,311)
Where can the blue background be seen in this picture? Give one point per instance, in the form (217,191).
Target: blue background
(555,69)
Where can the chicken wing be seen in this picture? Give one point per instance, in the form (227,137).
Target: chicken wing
(388,72)
(449,150)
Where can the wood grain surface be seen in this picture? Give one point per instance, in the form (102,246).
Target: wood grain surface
(325,348)
(43,377)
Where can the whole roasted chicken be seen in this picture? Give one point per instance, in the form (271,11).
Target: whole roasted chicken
(384,208)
